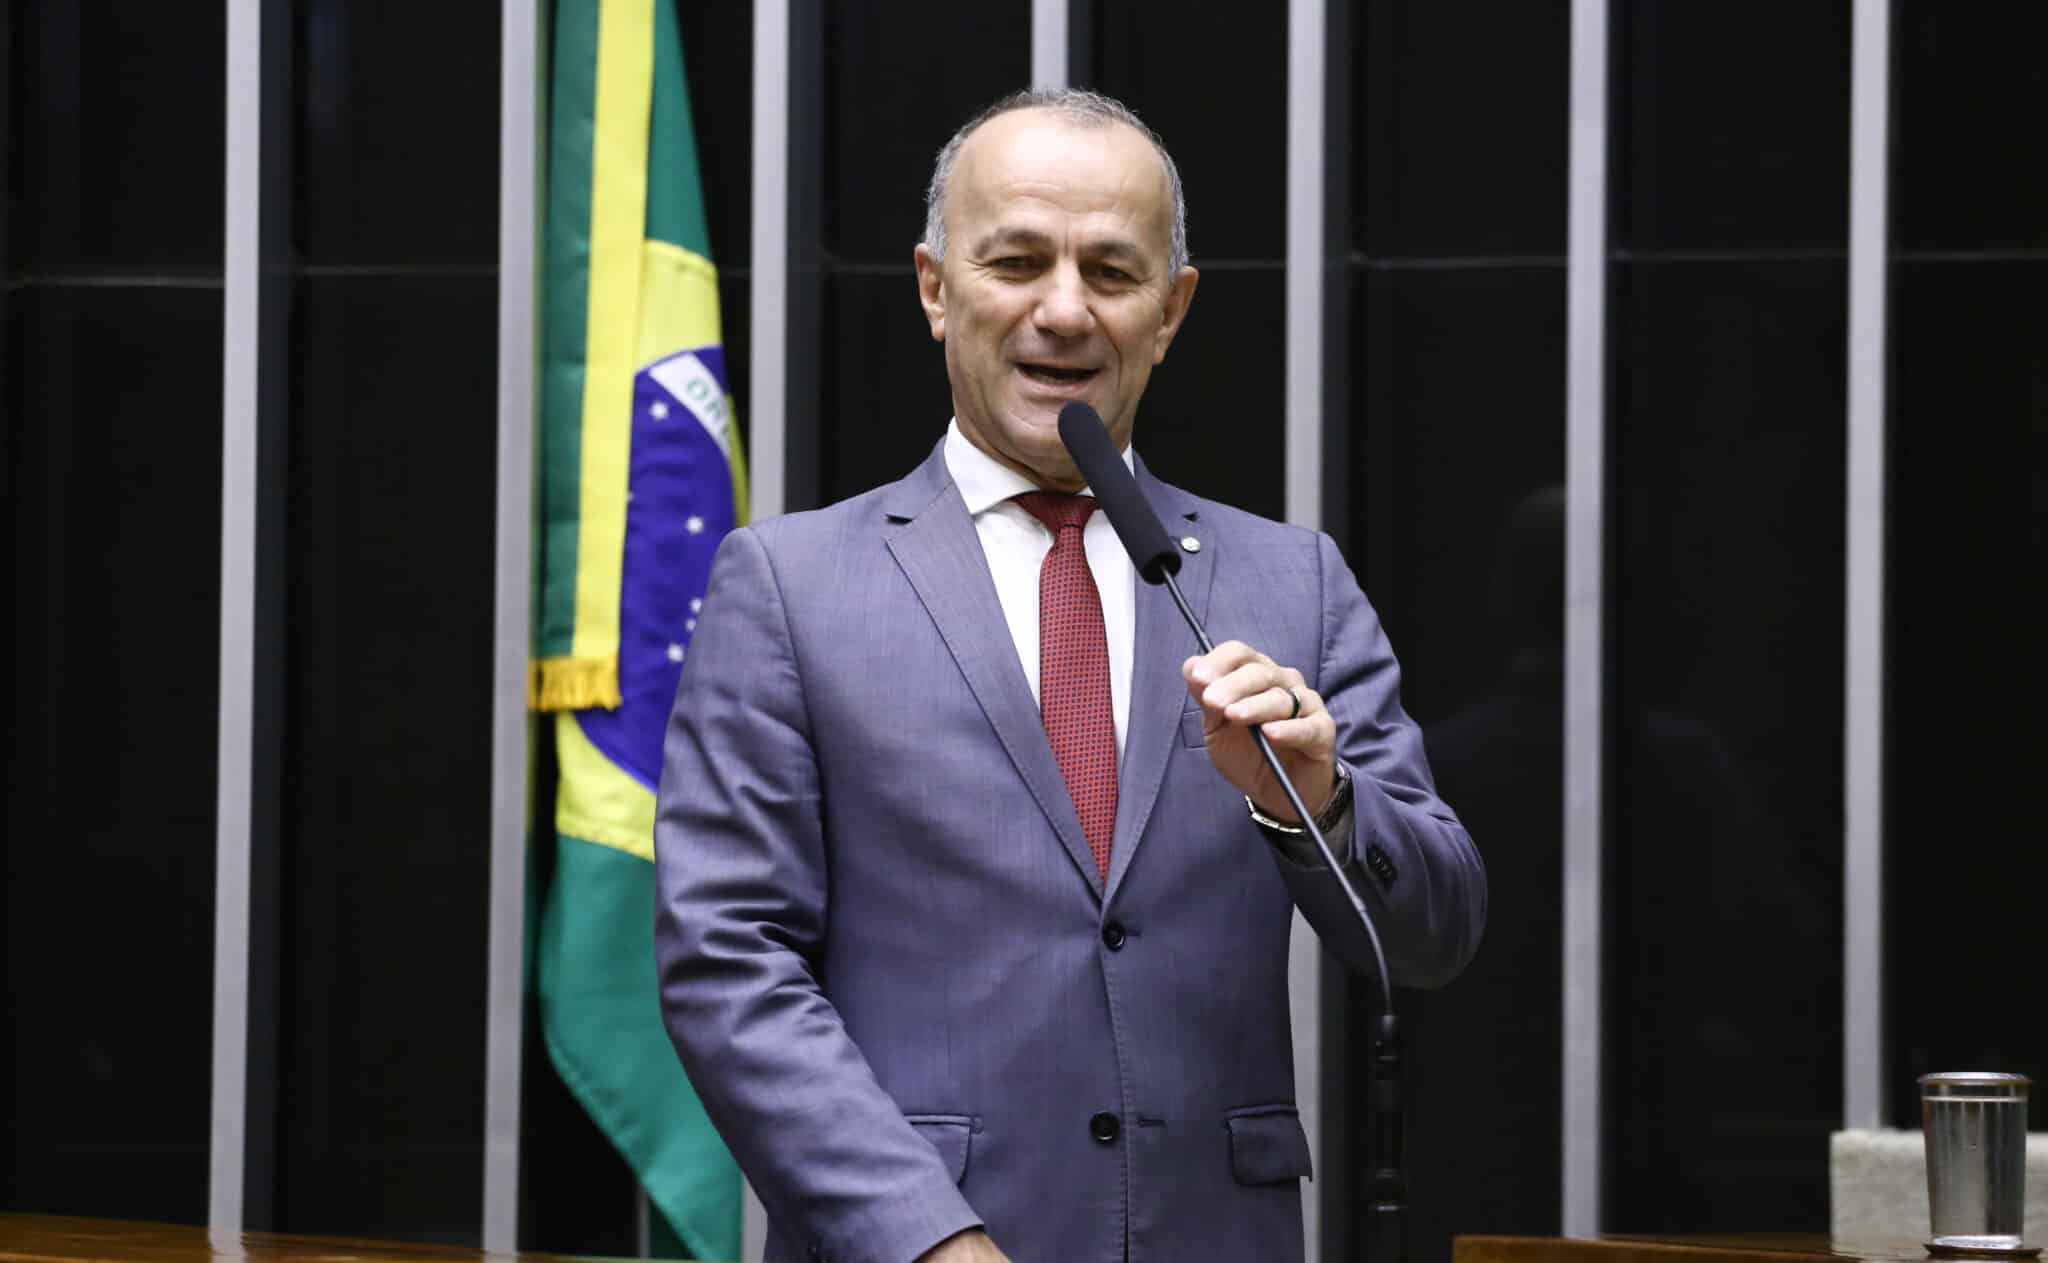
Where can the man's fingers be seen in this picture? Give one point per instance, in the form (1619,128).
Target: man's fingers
(1275,707)
(1258,693)
(1205,669)
(1307,734)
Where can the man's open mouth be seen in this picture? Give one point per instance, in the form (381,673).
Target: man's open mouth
(1056,375)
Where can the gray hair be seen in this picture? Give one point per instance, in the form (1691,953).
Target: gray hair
(1073,105)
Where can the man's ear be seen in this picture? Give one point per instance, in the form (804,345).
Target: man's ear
(1178,297)
(931,291)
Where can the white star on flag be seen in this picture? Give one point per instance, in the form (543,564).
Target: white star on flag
(658,410)
(675,653)
(695,525)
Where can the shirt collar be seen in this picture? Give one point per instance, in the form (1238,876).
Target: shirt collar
(984,481)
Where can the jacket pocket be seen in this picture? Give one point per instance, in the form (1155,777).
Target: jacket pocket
(1267,1144)
(1191,730)
(952,1135)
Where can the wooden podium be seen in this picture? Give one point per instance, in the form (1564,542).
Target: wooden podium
(1724,1248)
(63,1239)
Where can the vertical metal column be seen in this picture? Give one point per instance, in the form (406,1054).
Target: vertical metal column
(1305,175)
(1585,544)
(768,338)
(1049,43)
(519,137)
(768,356)
(255,318)
(240,265)
(1864,592)
(1304,492)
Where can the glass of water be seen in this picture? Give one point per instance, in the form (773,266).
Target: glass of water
(1975,1125)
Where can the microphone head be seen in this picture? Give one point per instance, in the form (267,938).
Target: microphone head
(1117,494)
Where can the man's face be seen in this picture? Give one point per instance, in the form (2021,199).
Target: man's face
(1054,286)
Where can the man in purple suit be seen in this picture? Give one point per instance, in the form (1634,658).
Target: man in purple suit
(974,893)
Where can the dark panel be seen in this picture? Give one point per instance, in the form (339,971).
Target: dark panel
(1731,125)
(112,570)
(1458,489)
(397,148)
(1212,417)
(1969,96)
(1460,381)
(1723,760)
(383,1016)
(885,382)
(735,313)
(117,140)
(1462,110)
(718,57)
(1213,84)
(1969,497)
(900,79)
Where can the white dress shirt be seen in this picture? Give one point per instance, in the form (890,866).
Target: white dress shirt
(1016,543)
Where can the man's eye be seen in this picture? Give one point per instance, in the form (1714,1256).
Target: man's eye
(1011,263)
(1109,273)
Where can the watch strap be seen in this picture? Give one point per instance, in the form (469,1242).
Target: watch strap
(1326,819)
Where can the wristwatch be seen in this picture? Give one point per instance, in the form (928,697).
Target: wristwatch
(1326,819)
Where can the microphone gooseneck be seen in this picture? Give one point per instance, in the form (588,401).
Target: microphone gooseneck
(1117,493)
(1157,561)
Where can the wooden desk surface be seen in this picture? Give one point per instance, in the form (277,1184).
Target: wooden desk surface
(1722,1248)
(63,1239)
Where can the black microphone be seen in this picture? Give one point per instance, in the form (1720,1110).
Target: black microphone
(1118,496)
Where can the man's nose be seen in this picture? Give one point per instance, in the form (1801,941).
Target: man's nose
(1063,309)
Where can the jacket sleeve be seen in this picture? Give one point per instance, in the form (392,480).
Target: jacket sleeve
(1409,857)
(740,848)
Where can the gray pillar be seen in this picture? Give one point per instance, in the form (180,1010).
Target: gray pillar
(255,320)
(1863,691)
(1585,519)
(511,731)
(1304,488)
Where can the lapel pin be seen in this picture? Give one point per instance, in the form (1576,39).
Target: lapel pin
(1189,544)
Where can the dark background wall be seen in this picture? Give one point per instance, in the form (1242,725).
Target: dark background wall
(394,250)
(1447,140)
(110,433)
(1448,239)
(1969,435)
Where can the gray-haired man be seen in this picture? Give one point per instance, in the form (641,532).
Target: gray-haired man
(974,896)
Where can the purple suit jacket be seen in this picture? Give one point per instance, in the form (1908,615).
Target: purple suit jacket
(904,993)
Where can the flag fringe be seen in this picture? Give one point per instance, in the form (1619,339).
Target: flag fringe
(574,684)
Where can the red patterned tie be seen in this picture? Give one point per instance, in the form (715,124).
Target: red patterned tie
(1073,669)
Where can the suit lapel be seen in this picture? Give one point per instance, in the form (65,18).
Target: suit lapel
(1158,694)
(936,546)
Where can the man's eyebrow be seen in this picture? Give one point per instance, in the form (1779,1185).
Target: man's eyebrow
(1114,248)
(1028,238)
(1016,237)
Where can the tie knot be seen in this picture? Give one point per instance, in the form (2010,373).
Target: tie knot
(1057,509)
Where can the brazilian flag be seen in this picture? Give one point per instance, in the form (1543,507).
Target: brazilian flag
(641,477)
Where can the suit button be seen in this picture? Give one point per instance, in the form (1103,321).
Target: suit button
(1113,936)
(1104,1128)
